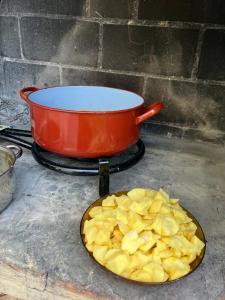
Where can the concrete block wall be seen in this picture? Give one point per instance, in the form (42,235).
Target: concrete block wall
(169,50)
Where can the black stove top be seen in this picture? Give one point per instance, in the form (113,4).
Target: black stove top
(102,166)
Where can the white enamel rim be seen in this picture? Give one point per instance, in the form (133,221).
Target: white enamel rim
(86,99)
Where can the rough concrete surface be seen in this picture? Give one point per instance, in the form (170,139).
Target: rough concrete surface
(39,231)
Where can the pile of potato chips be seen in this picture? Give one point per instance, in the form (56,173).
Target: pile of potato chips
(144,236)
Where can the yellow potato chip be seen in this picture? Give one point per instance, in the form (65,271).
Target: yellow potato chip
(173,201)
(156,205)
(103,236)
(180,215)
(177,253)
(169,226)
(157,225)
(104,224)
(142,258)
(149,240)
(188,258)
(155,257)
(136,194)
(178,273)
(109,213)
(118,263)
(180,243)
(90,247)
(188,230)
(150,216)
(148,224)
(109,201)
(131,241)
(155,271)
(141,207)
(111,253)
(121,215)
(99,253)
(175,266)
(161,246)
(135,222)
(198,244)
(123,202)
(140,275)
(123,228)
(116,245)
(150,193)
(91,234)
(95,211)
(165,209)
(166,253)
(164,194)
(117,234)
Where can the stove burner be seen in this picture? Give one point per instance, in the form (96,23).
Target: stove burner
(102,166)
(77,166)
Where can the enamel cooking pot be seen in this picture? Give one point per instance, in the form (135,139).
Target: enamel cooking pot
(86,121)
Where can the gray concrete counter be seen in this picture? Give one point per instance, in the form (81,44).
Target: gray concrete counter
(42,257)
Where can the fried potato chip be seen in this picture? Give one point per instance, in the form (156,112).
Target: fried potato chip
(90,247)
(139,259)
(122,216)
(165,209)
(99,253)
(198,244)
(157,225)
(180,243)
(161,246)
(156,204)
(150,240)
(123,202)
(188,258)
(95,211)
(188,230)
(91,234)
(155,271)
(131,241)
(109,201)
(123,228)
(135,222)
(102,237)
(136,194)
(117,234)
(118,262)
(140,275)
(141,207)
(169,226)
(173,201)
(175,267)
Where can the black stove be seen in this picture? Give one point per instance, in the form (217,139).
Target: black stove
(102,166)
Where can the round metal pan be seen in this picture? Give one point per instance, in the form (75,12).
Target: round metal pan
(194,265)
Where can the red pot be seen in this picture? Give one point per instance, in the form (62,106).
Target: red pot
(86,121)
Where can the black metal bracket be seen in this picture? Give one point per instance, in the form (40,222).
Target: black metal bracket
(103,177)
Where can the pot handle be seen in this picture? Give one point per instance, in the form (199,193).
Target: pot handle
(16,150)
(151,110)
(24,93)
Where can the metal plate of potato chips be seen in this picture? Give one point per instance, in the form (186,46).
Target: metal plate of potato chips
(193,266)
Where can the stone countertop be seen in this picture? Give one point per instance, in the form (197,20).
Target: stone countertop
(41,254)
